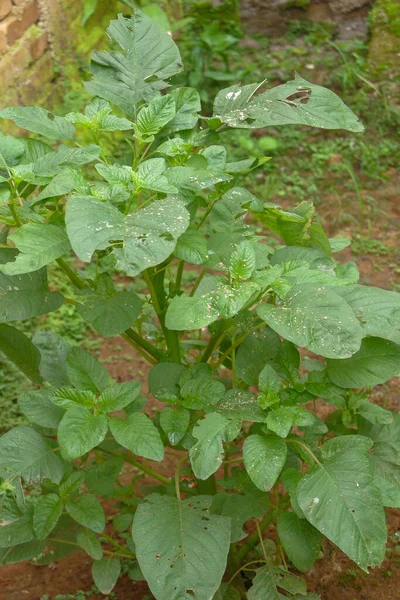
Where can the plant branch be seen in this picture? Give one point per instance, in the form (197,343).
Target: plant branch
(248,546)
(70,273)
(306,448)
(60,541)
(133,335)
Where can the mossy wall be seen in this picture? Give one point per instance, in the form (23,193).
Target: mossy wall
(44,48)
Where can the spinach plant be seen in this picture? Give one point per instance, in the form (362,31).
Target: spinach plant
(237,403)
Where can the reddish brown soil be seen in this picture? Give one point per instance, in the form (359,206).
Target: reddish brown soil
(334,577)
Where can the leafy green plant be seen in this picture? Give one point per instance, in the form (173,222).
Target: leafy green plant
(238,399)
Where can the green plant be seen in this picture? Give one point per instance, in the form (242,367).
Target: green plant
(239,456)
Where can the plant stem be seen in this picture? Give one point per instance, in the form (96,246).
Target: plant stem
(70,273)
(60,541)
(248,546)
(138,349)
(14,213)
(261,539)
(133,335)
(253,562)
(214,342)
(177,476)
(115,544)
(197,282)
(306,448)
(237,343)
(179,273)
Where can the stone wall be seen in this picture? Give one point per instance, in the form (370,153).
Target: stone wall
(42,40)
(350,17)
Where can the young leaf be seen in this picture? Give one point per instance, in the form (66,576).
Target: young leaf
(240,404)
(263,585)
(243,261)
(264,458)
(164,529)
(105,573)
(92,225)
(174,423)
(20,350)
(152,118)
(151,56)
(343,504)
(85,371)
(71,484)
(192,247)
(100,478)
(187,107)
(90,543)
(207,453)
(119,396)
(53,355)
(300,540)
(282,419)
(164,381)
(87,511)
(190,312)
(113,314)
(269,385)
(39,120)
(316,318)
(239,508)
(39,245)
(39,408)
(262,346)
(80,431)
(376,362)
(296,102)
(46,514)
(201,392)
(138,434)
(23,451)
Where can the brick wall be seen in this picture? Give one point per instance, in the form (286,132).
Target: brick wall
(42,40)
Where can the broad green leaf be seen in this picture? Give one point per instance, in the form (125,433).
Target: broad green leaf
(152,118)
(55,162)
(87,511)
(100,478)
(80,431)
(98,117)
(164,381)
(20,351)
(28,551)
(243,261)
(12,150)
(187,106)
(190,180)
(92,225)
(39,408)
(240,404)
(39,120)
(25,296)
(261,346)
(227,592)
(174,423)
(18,531)
(297,102)
(300,540)
(68,397)
(71,484)
(150,235)
(190,312)
(378,310)
(113,314)
(118,396)
(282,419)
(23,451)
(339,498)
(201,393)
(263,585)
(376,362)
(192,247)
(264,458)
(139,435)
(105,573)
(53,355)
(207,453)
(290,479)
(228,211)
(115,173)
(297,227)
(239,508)
(269,384)
(46,514)
(90,543)
(151,56)
(151,175)
(85,371)
(317,318)
(375,414)
(164,531)
(65,182)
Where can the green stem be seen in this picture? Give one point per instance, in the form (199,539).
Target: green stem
(235,345)
(306,448)
(248,546)
(14,213)
(253,562)
(143,343)
(60,541)
(197,282)
(179,274)
(70,273)
(208,487)
(116,545)
(139,349)
(214,342)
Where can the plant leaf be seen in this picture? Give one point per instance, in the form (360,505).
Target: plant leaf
(317,318)
(300,540)
(139,435)
(118,396)
(20,350)
(263,585)
(264,458)
(23,451)
(239,508)
(113,314)
(192,247)
(164,530)
(376,362)
(85,371)
(89,542)
(80,431)
(174,423)
(105,573)
(87,511)
(207,453)
(39,120)
(46,514)
(39,408)
(151,56)
(339,498)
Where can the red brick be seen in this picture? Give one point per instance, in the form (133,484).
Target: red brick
(5,8)
(38,46)
(12,67)
(17,25)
